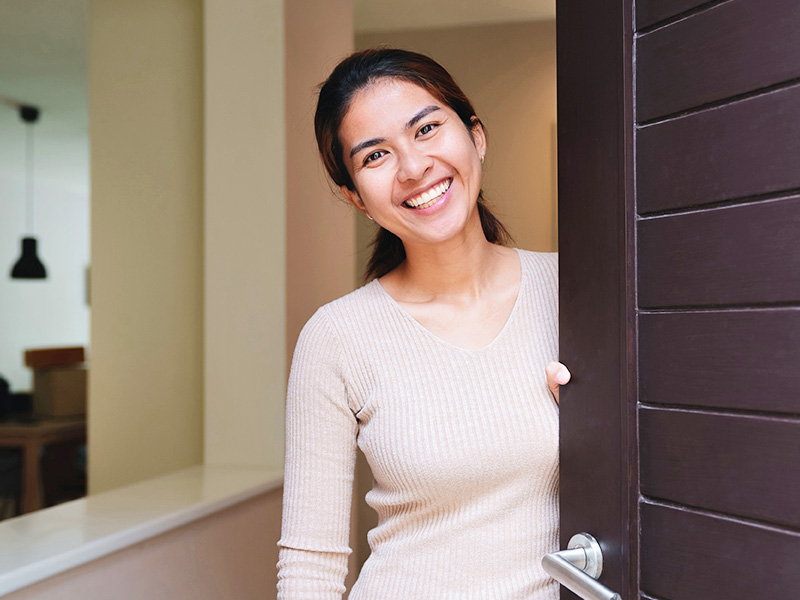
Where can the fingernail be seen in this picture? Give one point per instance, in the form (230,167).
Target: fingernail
(562,377)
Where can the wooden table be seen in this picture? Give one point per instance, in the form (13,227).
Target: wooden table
(31,437)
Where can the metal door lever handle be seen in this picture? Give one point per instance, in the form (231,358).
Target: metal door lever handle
(578,568)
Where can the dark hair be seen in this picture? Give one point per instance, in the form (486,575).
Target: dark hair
(353,74)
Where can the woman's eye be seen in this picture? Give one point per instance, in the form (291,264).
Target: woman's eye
(374,156)
(427,128)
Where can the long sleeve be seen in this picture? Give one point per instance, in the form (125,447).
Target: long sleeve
(321,432)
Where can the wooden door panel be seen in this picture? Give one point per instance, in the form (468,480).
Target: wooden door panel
(650,12)
(688,555)
(731,49)
(747,148)
(680,254)
(741,359)
(742,465)
(731,255)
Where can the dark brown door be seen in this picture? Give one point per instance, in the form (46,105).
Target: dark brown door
(679,220)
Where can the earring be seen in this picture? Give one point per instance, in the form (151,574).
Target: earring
(370,218)
(481,159)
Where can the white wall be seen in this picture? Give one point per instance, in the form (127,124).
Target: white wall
(50,312)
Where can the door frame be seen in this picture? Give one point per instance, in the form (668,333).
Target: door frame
(599,463)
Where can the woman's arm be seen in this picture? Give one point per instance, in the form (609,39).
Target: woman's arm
(320,459)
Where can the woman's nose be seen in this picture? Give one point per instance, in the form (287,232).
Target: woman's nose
(413,165)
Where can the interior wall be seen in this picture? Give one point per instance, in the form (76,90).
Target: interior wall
(50,74)
(219,138)
(42,313)
(145,107)
(320,226)
(278,244)
(230,554)
(245,232)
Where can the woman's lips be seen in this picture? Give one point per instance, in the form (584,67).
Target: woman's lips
(430,196)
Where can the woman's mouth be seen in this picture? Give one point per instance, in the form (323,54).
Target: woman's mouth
(430,196)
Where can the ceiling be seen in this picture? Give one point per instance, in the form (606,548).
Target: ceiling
(43,62)
(382,15)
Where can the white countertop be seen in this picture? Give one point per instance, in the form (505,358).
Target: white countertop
(39,545)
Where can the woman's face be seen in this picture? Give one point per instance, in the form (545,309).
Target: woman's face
(415,166)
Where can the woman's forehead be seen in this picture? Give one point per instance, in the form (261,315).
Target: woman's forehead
(394,87)
(386,103)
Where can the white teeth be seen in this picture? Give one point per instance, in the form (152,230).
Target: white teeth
(428,196)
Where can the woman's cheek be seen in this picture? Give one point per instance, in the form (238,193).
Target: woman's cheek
(377,183)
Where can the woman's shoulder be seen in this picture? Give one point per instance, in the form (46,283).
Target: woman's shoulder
(531,256)
(543,264)
(540,277)
(364,299)
(343,335)
(352,312)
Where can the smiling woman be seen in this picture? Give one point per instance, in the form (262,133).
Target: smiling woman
(435,369)
(354,78)
(419,177)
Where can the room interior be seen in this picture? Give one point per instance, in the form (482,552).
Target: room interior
(213,234)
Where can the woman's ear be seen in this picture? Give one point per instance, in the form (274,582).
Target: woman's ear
(353,198)
(478,136)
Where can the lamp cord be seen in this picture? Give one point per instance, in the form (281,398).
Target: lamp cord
(29,178)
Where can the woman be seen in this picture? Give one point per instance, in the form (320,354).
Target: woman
(435,369)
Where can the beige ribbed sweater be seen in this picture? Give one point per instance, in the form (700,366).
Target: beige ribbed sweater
(463,446)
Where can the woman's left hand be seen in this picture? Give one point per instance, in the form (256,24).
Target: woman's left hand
(557,375)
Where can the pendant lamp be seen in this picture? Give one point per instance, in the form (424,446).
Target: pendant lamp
(29,266)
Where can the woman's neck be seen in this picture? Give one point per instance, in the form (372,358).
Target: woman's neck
(464,266)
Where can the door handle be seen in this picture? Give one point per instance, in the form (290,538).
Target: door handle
(578,567)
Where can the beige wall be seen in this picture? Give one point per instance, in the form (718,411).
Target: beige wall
(191,171)
(231,554)
(509,73)
(145,106)
(320,227)
(195,255)
(245,235)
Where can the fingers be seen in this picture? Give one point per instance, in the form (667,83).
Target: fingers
(557,375)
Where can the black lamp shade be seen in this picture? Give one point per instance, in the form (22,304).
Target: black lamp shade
(28,266)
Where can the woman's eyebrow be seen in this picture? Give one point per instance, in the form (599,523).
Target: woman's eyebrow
(367,144)
(374,142)
(421,115)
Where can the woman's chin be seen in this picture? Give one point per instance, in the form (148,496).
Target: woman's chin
(455,228)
